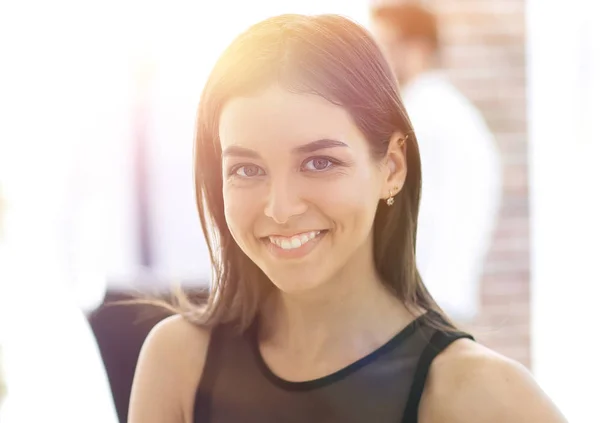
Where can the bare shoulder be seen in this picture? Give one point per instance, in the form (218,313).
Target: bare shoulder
(175,337)
(471,383)
(169,367)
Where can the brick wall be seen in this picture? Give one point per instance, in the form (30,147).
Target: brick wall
(484,53)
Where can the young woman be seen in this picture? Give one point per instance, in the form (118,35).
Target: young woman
(308,180)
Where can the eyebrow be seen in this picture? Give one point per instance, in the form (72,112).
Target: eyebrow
(237,151)
(322,144)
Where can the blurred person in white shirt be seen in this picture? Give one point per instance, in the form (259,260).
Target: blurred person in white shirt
(51,366)
(55,81)
(462,174)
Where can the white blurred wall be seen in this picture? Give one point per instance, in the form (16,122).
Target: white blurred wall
(61,81)
(564,112)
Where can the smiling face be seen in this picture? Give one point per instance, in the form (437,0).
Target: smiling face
(300,186)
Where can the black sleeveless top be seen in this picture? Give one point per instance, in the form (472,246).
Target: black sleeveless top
(384,387)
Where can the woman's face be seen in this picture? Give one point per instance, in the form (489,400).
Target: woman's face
(300,186)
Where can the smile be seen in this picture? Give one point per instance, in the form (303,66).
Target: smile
(293,242)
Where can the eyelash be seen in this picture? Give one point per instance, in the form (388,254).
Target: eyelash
(333,163)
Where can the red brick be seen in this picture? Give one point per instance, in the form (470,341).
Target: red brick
(484,54)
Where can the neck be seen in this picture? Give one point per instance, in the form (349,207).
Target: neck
(339,314)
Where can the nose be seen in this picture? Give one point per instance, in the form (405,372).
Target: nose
(284,202)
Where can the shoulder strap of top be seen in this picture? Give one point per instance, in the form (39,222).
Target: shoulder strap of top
(212,365)
(438,343)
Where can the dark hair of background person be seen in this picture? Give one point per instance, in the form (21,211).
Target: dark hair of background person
(414,22)
(337,59)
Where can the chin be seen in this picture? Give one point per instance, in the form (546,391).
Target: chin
(299,276)
(296,282)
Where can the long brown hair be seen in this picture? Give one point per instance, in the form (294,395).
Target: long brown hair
(337,59)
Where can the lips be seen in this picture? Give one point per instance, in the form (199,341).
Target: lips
(293,242)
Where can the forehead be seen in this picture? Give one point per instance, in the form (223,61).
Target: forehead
(278,117)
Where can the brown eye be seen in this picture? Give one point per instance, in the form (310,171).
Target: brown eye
(318,164)
(249,171)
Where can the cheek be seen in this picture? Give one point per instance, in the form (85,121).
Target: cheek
(351,198)
(240,212)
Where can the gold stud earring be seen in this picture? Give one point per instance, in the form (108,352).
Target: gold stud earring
(390,199)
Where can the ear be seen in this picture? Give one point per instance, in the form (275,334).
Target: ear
(395,167)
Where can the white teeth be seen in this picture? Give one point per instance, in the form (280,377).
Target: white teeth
(293,242)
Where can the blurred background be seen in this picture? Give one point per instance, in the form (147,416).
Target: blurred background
(97,109)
